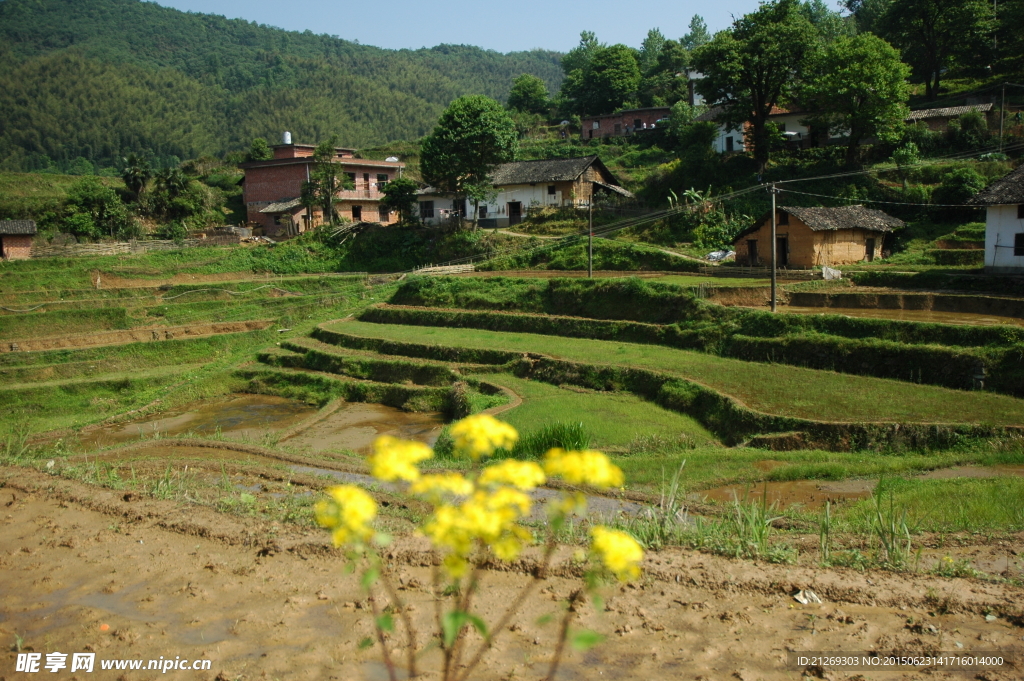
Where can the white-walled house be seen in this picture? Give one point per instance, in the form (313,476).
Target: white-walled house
(522,186)
(1004,223)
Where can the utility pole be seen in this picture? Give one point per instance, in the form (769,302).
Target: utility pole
(1002,115)
(774,246)
(590,249)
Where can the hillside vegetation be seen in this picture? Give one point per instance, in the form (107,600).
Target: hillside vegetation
(98,79)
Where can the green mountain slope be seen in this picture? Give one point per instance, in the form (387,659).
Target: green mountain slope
(102,78)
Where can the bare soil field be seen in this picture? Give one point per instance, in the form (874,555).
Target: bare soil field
(130,577)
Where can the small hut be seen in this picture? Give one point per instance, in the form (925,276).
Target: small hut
(16,239)
(815,237)
(1004,223)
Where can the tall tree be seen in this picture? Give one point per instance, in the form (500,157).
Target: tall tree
(325,180)
(829,23)
(472,136)
(136,174)
(650,50)
(400,196)
(861,86)
(935,34)
(667,81)
(755,65)
(697,35)
(613,79)
(529,94)
(867,14)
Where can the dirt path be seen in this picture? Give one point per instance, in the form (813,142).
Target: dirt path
(88,569)
(139,335)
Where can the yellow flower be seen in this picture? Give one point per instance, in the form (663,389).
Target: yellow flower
(395,459)
(522,474)
(480,435)
(618,552)
(441,483)
(583,468)
(348,514)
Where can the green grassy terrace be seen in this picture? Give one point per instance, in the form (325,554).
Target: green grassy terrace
(769,388)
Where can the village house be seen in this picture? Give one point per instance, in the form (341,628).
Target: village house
(16,239)
(938,120)
(624,122)
(815,237)
(272,189)
(522,186)
(1004,223)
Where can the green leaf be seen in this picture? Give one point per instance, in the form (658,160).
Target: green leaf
(584,639)
(248,498)
(452,622)
(369,578)
(386,622)
(365,643)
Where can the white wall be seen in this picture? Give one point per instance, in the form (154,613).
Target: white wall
(1001,225)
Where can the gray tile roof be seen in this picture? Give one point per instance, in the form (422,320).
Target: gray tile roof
(282,206)
(545,170)
(1007,190)
(949,111)
(823,219)
(17,227)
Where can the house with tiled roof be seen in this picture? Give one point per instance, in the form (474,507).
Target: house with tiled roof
(815,237)
(16,239)
(938,119)
(523,186)
(1004,223)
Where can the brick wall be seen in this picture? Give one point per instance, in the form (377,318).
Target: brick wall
(625,119)
(16,247)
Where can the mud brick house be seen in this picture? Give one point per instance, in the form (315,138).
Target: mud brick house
(16,239)
(938,120)
(815,237)
(623,122)
(524,185)
(1004,223)
(272,189)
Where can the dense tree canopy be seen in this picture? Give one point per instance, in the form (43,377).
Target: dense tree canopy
(529,94)
(99,79)
(474,134)
(858,84)
(756,65)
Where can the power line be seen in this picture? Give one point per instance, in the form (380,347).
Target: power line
(891,203)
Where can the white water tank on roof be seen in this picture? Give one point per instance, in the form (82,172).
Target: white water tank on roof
(286,138)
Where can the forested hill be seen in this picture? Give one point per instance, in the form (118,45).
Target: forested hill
(102,78)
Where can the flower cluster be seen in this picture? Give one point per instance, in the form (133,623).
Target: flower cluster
(618,552)
(395,459)
(583,468)
(482,512)
(347,513)
(480,435)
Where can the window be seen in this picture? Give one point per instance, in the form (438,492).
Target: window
(385,214)
(551,190)
(637,123)
(382,180)
(351,179)
(357,212)
(729,144)
(482,211)
(1018,244)
(783,218)
(426,209)
(597,125)
(1020,212)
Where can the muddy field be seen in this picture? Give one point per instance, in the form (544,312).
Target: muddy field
(88,570)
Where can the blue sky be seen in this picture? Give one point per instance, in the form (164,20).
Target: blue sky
(501,26)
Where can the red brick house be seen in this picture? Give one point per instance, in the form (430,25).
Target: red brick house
(272,189)
(16,239)
(623,122)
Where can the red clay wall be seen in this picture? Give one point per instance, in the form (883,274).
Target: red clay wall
(16,247)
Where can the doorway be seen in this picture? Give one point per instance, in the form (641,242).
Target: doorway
(515,212)
(752,252)
(782,251)
(869,250)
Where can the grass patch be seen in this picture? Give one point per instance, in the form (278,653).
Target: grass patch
(774,389)
(613,420)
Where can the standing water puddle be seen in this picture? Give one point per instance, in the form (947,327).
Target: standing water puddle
(237,415)
(909,315)
(357,424)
